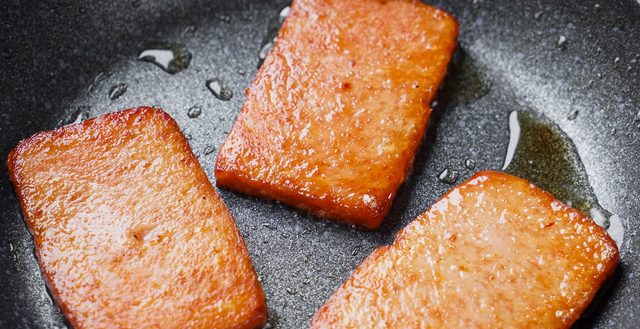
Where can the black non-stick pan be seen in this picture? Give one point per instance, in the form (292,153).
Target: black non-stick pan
(570,66)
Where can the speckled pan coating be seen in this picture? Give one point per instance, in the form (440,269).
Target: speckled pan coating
(59,59)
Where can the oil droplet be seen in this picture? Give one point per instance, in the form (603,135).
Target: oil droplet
(616,229)
(546,157)
(219,89)
(189,30)
(96,80)
(78,115)
(171,58)
(270,226)
(573,115)
(599,217)
(194,112)
(562,43)
(283,14)
(264,51)
(449,176)
(209,149)
(514,138)
(596,8)
(269,42)
(470,164)
(117,91)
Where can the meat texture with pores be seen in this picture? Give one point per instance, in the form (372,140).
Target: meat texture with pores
(338,109)
(129,232)
(494,252)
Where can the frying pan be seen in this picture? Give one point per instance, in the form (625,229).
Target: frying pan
(60,59)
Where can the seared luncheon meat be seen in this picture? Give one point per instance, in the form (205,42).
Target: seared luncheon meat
(129,232)
(337,111)
(495,252)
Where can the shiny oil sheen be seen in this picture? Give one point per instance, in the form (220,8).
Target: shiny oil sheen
(335,115)
(60,59)
(495,250)
(128,229)
(544,155)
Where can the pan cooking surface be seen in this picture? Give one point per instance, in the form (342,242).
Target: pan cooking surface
(576,64)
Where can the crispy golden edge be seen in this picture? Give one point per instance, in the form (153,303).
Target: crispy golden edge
(401,238)
(14,162)
(329,208)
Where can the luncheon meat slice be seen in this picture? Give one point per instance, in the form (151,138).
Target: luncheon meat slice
(129,231)
(495,252)
(337,111)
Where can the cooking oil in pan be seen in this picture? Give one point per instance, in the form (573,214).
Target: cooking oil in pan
(448,176)
(219,89)
(194,112)
(544,155)
(171,58)
(470,164)
(272,32)
(118,90)
(77,115)
(465,81)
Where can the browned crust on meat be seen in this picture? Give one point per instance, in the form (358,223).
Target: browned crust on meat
(338,109)
(129,232)
(495,251)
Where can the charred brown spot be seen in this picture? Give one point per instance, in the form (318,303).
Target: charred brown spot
(549,224)
(453,238)
(345,85)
